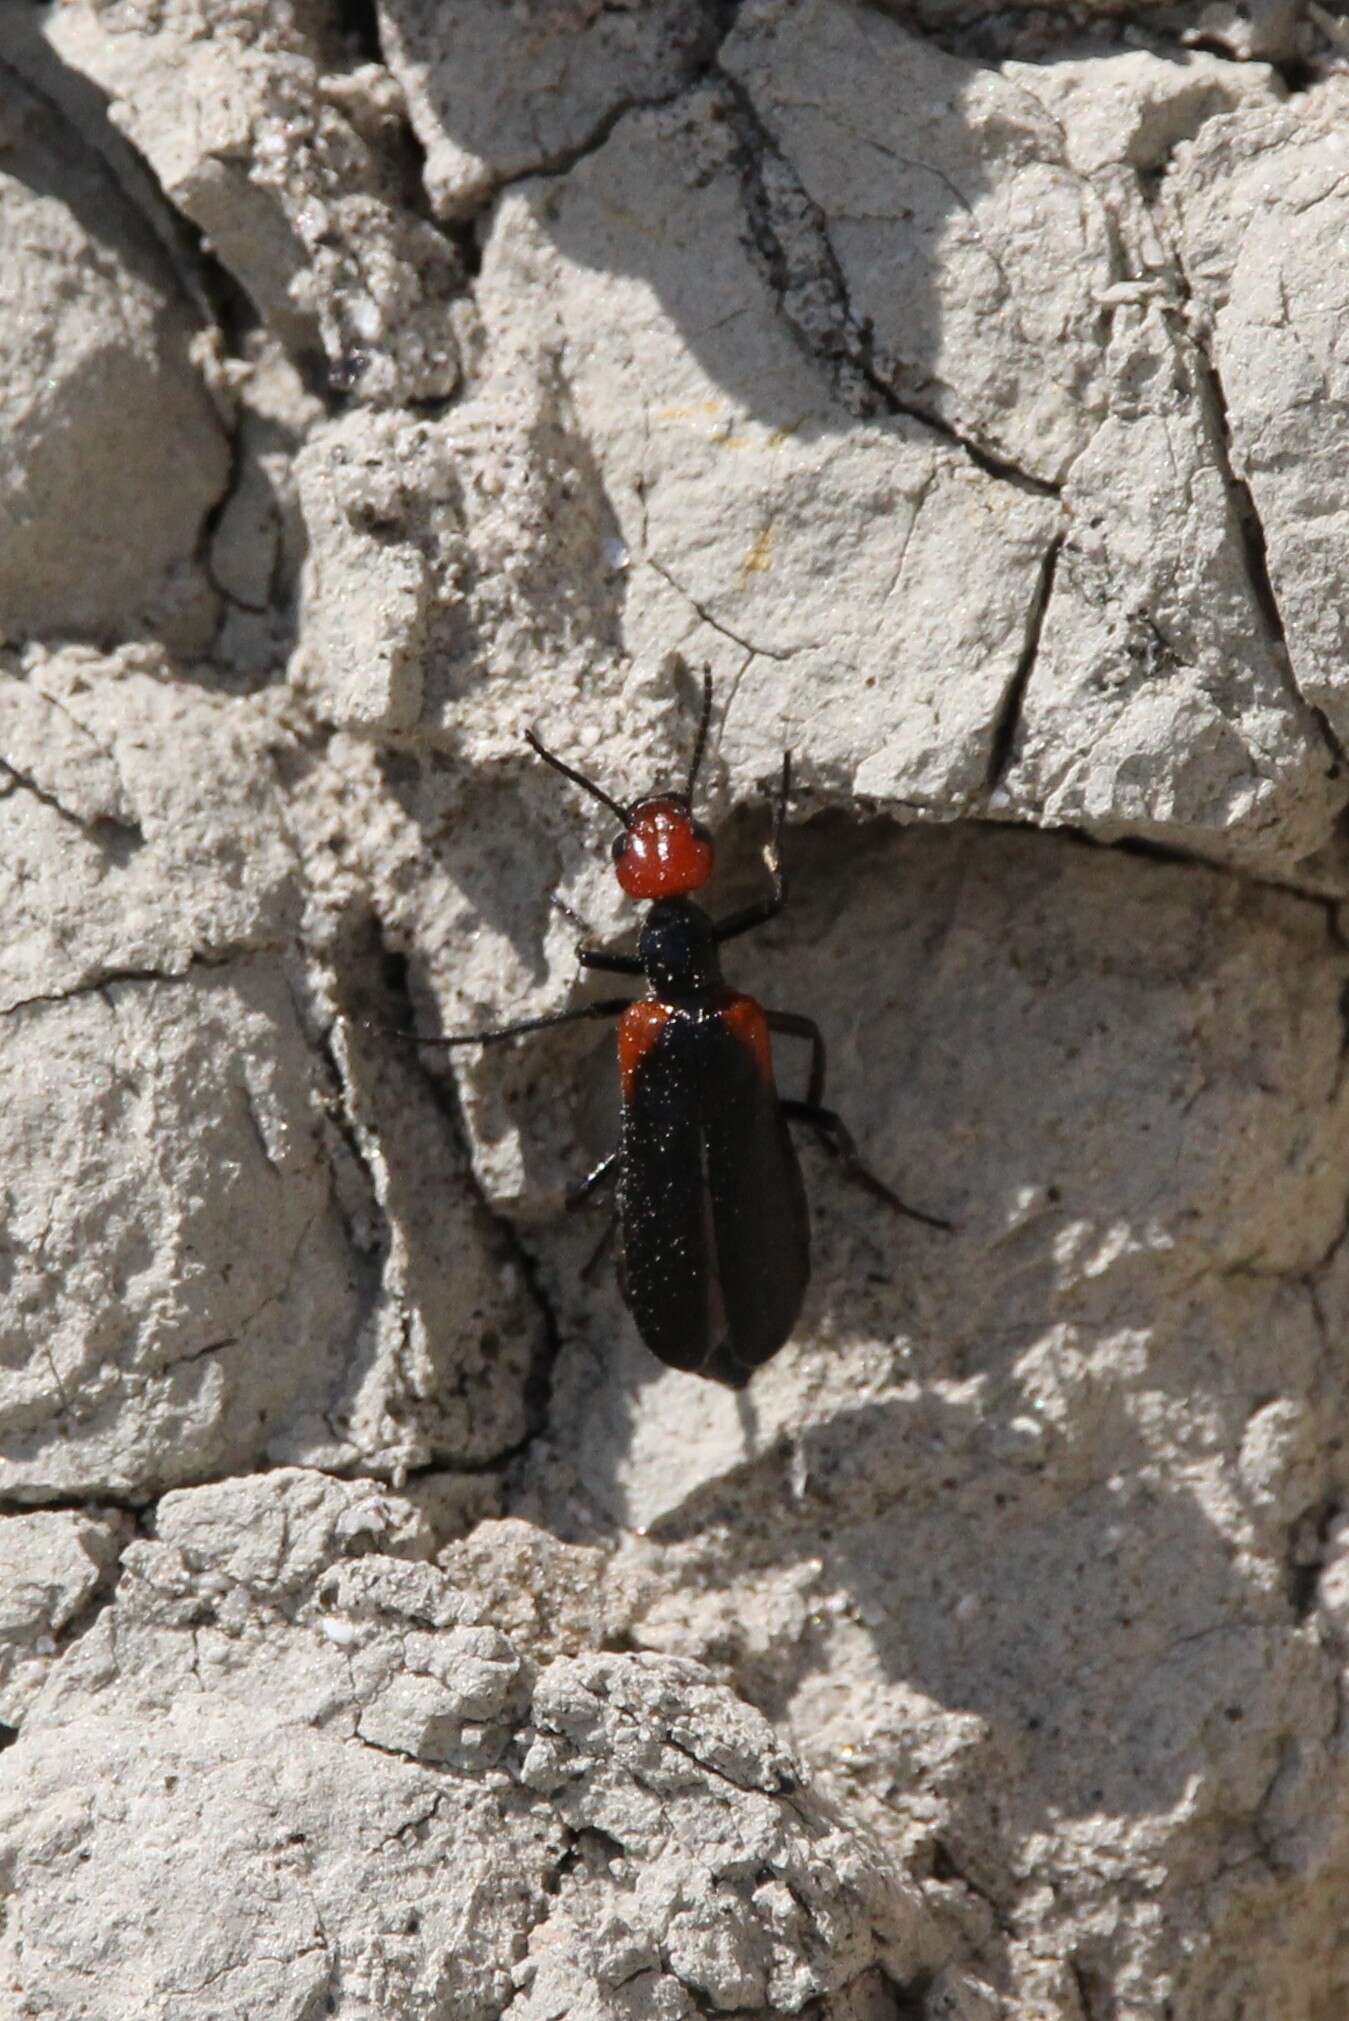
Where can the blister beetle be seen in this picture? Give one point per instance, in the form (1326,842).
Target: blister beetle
(715,1255)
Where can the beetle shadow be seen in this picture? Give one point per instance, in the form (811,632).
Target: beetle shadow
(1004,1466)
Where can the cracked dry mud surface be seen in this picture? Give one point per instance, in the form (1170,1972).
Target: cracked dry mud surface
(383,1633)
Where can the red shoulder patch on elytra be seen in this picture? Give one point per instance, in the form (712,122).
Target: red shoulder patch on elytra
(743,1016)
(638,1029)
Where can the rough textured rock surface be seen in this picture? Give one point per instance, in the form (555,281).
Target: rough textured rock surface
(100,519)
(383,1633)
(418,1815)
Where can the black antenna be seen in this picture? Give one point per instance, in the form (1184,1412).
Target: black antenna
(700,741)
(577,778)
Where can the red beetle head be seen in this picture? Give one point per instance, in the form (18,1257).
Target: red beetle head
(663,851)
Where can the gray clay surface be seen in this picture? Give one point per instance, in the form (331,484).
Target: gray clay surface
(383,1633)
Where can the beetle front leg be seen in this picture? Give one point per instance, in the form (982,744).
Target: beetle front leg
(595,957)
(834,1134)
(766,908)
(610,964)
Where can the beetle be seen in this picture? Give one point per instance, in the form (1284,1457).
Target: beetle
(715,1255)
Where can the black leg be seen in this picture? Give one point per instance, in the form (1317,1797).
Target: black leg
(597,1254)
(572,916)
(581,1189)
(610,964)
(836,1138)
(610,1007)
(766,908)
(596,957)
(793,1026)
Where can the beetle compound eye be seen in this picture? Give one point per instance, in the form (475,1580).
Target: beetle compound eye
(618,848)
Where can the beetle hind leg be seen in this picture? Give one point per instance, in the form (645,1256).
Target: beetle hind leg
(833,1133)
(790,1024)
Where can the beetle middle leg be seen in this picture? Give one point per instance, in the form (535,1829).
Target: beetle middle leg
(610,1007)
(834,1134)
